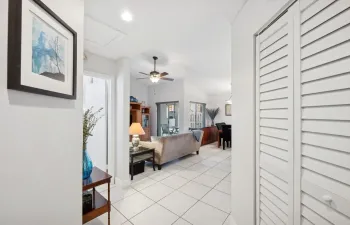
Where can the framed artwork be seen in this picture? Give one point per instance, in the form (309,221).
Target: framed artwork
(42,51)
(228,110)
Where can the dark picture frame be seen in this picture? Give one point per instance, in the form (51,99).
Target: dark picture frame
(14,65)
(228,110)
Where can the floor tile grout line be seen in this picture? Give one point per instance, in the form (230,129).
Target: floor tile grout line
(226,219)
(154,202)
(204,202)
(157,202)
(173,190)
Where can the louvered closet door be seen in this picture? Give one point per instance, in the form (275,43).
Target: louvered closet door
(325,112)
(275,122)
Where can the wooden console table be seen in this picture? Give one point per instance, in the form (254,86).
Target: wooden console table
(100,205)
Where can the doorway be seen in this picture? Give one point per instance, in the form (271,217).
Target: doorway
(167,118)
(98,95)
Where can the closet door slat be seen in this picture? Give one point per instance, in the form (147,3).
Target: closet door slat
(325,112)
(327,28)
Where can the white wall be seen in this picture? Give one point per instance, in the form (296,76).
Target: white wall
(99,64)
(172,91)
(41,141)
(251,18)
(215,101)
(139,90)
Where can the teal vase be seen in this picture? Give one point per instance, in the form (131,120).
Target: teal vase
(87,165)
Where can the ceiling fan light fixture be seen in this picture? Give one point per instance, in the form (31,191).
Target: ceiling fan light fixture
(154,79)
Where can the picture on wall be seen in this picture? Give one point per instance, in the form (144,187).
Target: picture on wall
(228,110)
(48,51)
(42,51)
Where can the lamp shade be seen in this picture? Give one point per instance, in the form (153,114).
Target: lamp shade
(136,128)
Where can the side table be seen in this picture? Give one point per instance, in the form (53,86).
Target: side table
(142,154)
(100,205)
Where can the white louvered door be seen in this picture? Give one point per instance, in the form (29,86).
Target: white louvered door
(303,116)
(274,128)
(325,112)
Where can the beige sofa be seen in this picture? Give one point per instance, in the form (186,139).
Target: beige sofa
(169,148)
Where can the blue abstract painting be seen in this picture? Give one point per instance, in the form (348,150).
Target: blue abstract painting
(48,51)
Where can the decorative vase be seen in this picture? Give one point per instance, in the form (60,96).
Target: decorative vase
(87,165)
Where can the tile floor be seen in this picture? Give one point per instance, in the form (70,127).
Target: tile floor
(192,190)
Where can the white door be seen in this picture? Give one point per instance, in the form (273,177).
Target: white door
(95,96)
(325,112)
(274,121)
(303,116)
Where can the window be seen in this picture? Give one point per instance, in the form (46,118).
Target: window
(197,115)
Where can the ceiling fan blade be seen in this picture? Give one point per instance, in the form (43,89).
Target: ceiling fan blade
(141,78)
(144,73)
(164,74)
(169,79)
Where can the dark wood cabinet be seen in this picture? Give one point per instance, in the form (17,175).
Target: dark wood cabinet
(210,135)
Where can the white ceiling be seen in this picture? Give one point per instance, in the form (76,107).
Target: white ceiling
(190,37)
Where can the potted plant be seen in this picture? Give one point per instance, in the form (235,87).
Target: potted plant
(212,113)
(89,122)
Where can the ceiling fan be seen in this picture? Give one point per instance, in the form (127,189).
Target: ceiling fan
(154,75)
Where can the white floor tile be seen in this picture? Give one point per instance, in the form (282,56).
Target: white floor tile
(194,158)
(229,221)
(116,219)
(209,163)
(159,175)
(117,193)
(154,215)
(181,222)
(207,180)
(184,163)
(188,174)
(199,168)
(219,200)
(133,205)
(178,202)
(126,223)
(157,191)
(143,183)
(216,158)
(214,172)
(228,178)
(194,190)
(224,186)
(172,168)
(225,154)
(224,166)
(203,214)
(174,181)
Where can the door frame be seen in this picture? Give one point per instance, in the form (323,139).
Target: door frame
(111,126)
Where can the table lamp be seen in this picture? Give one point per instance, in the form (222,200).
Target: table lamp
(135,130)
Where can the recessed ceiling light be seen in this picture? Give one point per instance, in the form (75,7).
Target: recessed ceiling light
(126,16)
